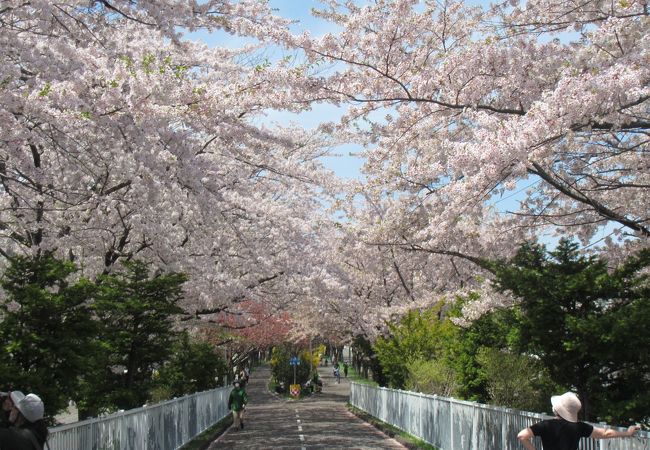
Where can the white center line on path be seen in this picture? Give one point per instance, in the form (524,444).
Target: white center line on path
(302,437)
(299,426)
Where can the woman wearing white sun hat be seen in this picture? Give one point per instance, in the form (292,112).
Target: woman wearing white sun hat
(29,431)
(565,431)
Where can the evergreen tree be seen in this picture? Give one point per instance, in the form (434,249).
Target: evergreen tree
(135,311)
(586,324)
(46,329)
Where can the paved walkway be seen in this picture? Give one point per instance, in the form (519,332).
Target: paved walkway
(319,422)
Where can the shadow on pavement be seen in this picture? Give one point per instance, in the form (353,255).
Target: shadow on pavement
(319,421)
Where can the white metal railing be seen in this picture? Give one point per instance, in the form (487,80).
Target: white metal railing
(451,424)
(164,426)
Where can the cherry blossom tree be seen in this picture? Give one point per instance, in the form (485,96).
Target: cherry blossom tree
(460,107)
(357,288)
(122,139)
(256,324)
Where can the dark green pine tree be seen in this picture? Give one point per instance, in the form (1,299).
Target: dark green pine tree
(585,323)
(46,329)
(136,312)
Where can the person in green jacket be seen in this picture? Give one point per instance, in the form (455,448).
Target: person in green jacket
(237,404)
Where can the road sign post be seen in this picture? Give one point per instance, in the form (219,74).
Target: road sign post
(294,361)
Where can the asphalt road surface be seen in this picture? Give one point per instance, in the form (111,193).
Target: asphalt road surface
(319,422)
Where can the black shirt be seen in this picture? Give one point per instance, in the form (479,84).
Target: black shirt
(16,439)
(560,434)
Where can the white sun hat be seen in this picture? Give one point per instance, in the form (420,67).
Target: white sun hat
(31,407)
(566,406)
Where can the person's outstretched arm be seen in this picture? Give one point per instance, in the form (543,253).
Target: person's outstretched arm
(606,433)
(525,436)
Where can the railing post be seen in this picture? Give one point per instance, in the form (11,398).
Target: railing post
(503,429)
(451,425)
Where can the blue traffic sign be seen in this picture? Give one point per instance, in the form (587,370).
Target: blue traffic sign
(294,361)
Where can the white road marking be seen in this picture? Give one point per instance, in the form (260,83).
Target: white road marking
(299,428)
(302,437)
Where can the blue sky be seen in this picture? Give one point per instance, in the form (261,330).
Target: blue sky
(344,162)
(298,10)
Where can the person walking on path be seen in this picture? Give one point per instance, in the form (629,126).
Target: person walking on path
(337,374)
(345,369)
(565,431)
(337,370)
(29,431)
(237,404)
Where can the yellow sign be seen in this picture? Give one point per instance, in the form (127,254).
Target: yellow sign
(294,389)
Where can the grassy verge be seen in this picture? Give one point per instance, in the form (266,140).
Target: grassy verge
(203,440)
(408,441)
(353,375)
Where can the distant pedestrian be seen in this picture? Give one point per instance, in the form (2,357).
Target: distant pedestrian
(564,431)
(337,374)
(237,404)
(345,369)
(29,431)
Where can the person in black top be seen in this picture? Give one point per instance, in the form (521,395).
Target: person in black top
(565,431)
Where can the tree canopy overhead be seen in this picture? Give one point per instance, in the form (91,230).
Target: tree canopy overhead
(460,107)
(121,139)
